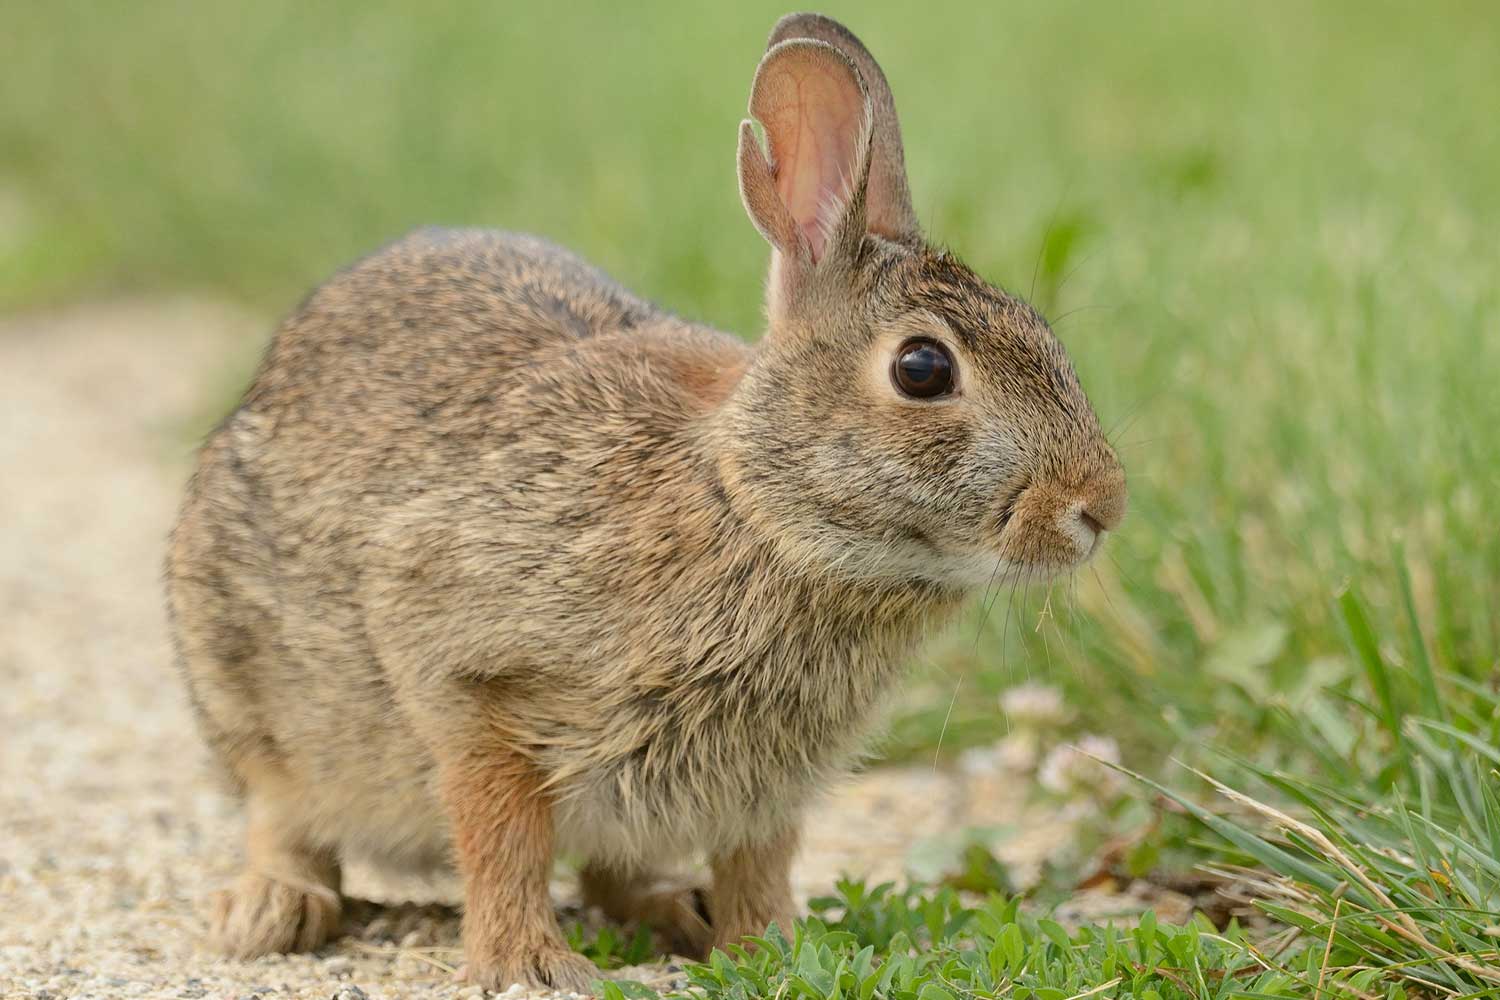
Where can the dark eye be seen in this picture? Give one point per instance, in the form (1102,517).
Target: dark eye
(923,369)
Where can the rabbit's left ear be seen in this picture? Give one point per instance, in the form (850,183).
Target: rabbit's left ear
(809,191)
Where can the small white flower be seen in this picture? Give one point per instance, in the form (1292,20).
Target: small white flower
(1034,706)
(1073,770)
(977,760)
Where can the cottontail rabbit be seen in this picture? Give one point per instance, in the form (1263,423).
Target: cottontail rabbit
(496,559)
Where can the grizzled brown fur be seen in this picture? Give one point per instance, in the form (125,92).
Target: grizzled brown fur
(496,559)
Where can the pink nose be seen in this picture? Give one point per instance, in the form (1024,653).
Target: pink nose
(1099,507)
(1103,499)
(1102,512)
(1062,521)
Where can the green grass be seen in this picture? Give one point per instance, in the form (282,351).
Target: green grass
(873,944)
(1266,232)
(1391,856)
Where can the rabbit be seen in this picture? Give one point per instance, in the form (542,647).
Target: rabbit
(496,560)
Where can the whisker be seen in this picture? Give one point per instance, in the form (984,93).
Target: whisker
(1074,617)
(1019,590)
(1074,269)
(1122,445)
(1133,413)
(937,751)
(986,604)
(1044,616)
(1122,571)
(1105,591)
(1010,606)
(991,593)
(1057,321)
(1041,252)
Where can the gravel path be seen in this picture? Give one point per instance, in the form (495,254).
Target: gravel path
(111,831)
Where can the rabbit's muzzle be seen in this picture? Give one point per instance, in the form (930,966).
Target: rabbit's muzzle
(1057,524)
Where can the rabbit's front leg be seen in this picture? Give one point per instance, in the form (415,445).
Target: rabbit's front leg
(502,831)
(753,888)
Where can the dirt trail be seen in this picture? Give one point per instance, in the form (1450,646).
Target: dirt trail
(111,832)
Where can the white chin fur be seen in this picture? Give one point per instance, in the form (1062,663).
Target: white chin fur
(983,569)
(906,560)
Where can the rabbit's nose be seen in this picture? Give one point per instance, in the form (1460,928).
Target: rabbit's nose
(1099,507)
(1105,513)
(1081,528)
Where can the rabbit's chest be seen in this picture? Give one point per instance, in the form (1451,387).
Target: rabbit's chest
(726,761)
(717,722)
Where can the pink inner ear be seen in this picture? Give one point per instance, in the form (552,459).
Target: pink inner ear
(813,114)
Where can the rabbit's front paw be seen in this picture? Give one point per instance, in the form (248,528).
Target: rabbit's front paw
(549,967)
(261,915)
(736,932)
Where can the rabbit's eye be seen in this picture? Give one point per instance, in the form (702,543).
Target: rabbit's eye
(923,369)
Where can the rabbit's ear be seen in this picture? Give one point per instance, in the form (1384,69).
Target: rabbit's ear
(808,97)
(888,208)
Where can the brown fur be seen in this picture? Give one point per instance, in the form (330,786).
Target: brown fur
(752,888)
(287,899)
(502,834)
(497,559)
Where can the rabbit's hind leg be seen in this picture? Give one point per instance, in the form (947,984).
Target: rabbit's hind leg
(287,899)
(675,909)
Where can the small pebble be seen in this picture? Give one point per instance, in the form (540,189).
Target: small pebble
(339,965)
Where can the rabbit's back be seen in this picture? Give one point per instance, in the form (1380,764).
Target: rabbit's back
(462,367)
(435,310)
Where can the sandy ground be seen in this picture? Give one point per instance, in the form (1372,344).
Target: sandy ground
(111,831)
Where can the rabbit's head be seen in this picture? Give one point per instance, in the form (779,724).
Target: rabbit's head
(902,418)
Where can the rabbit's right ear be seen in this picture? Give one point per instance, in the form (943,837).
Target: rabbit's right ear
(805,193)
(888,208)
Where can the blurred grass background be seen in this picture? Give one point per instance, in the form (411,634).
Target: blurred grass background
(1267,234)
